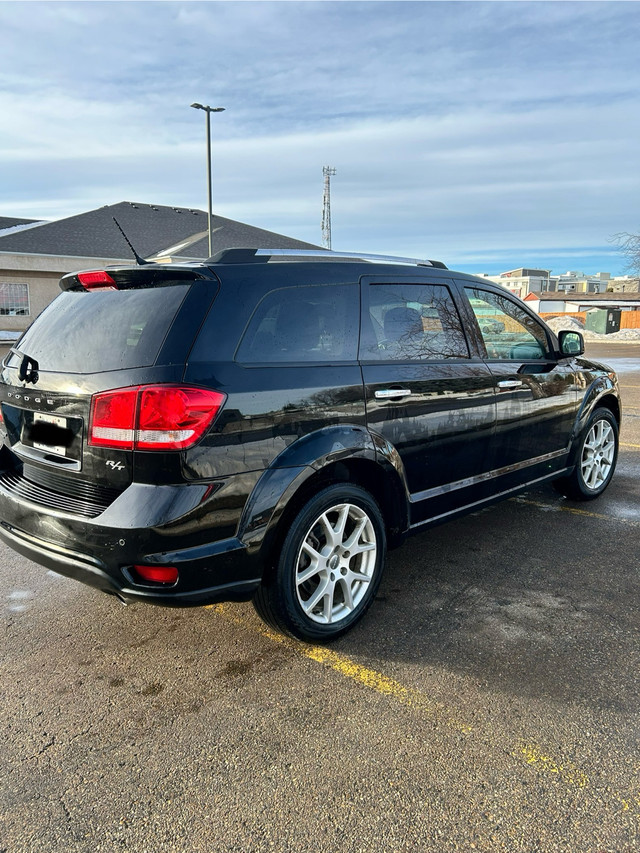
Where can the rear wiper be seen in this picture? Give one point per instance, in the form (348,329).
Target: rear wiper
(28,371)
(139,260)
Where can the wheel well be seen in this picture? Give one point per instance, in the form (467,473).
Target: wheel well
(610,402)
(384,484)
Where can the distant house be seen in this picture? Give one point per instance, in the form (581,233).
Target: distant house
(34,254)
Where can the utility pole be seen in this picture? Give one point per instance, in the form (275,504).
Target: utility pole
(327,171)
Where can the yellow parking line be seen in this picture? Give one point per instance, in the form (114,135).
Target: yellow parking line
(348,668)
(572,776)
(531,753)
(626,444)
(534,756)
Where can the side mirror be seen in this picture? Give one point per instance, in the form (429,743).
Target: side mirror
(571,343)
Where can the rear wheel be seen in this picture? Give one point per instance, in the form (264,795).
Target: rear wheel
(329,568)
(596,462)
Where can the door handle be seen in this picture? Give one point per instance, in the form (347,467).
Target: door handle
(510,383)
(392,393)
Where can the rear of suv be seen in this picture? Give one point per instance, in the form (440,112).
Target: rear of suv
(265,424)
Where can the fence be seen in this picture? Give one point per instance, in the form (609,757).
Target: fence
(630,320)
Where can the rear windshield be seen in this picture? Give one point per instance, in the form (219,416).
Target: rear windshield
(84,332)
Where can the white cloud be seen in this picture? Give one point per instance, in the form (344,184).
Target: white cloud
(486,126)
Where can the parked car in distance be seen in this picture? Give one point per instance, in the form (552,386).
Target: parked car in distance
(265,424)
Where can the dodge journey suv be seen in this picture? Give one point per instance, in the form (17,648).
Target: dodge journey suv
(265,424)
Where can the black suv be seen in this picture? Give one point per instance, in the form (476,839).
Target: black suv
(264,424)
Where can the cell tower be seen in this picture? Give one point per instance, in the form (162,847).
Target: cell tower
(327,171)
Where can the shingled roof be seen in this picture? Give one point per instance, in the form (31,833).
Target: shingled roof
(12,222)
(152,229)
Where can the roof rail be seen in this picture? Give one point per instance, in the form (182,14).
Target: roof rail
(248,256)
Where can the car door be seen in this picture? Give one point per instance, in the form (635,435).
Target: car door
(536,391)
(425,393)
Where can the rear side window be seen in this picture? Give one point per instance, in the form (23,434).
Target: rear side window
(94,332)
(411,322)
(317,323)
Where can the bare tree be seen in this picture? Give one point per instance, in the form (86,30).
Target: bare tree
(629,245)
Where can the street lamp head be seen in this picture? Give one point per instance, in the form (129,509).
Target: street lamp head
(208,109)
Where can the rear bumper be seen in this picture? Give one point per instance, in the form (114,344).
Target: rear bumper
(179,526)
(93,572)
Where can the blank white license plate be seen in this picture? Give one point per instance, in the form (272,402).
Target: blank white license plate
(54,420)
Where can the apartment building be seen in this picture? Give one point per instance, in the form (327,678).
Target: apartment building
(524,281)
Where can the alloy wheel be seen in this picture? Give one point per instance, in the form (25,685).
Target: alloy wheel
(598,454)
(336,563)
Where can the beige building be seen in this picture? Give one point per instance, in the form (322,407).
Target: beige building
(623,284)
(523,280)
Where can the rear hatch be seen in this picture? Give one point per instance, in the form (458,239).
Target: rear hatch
(74,384)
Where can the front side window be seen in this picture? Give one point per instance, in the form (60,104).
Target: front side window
(509,333)
(316,323)
(411,322)
(14,299)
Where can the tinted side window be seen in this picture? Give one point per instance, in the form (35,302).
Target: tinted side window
(509,333)
(318,323)
(411,322)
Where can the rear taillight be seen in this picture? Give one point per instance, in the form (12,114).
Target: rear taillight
(113,418)
(152,417)
(97,280)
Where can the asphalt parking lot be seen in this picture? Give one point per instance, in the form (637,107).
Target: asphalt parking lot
(488,701)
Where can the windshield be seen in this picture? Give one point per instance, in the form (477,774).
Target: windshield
(94,332)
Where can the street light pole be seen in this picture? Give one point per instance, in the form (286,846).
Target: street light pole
(208,111)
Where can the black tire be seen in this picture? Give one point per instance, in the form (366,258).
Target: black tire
(596,459)
(319,588)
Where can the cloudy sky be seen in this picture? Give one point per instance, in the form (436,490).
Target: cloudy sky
(489,135)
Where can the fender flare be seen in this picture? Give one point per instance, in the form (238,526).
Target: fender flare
(601,387)
(304,459)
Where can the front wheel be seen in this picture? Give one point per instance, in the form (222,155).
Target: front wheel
(329,568)
(596,462)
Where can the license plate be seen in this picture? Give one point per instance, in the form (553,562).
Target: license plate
(49,429)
